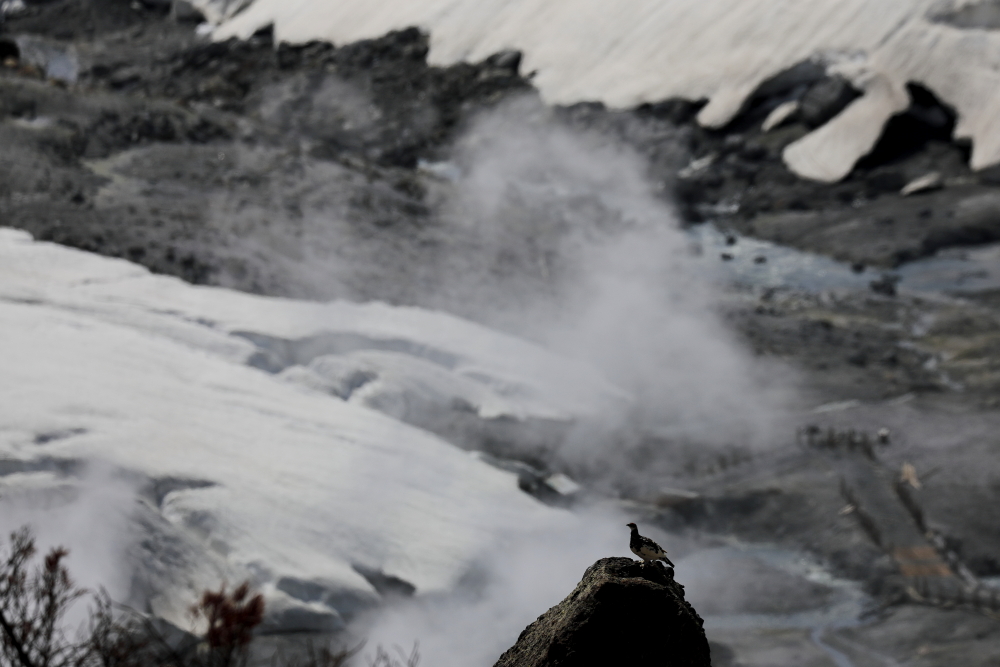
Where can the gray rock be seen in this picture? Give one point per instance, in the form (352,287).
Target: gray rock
(984,15)
(57,60)
(621,613)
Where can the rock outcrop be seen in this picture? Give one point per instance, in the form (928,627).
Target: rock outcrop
(620,613)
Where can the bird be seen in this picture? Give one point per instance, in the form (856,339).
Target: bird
(645,548)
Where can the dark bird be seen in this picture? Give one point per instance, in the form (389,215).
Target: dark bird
(645,548)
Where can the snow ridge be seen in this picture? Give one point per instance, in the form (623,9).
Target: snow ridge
(634,51)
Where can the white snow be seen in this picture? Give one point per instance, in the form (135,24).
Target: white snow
(633,51)
(141,373)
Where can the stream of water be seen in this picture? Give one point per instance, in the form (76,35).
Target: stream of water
(752,262)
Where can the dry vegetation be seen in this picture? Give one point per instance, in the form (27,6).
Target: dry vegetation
(34,599)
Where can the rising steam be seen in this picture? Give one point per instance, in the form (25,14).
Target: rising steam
(568,243)
(576,248)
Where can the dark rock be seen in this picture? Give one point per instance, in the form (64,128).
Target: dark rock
(676,110)
(886,285)
(849,220)
(859,358)
(754,151)
(890,230)
(509,60)
(183,11)
(906,134)
(621,613)
(9,50)
(825,99)
(884,180)
(785,83)
(65,20)
(124,76)
(990,175)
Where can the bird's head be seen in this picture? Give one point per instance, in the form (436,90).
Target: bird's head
(632,526)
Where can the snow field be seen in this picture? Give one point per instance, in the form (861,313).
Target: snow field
(107,364)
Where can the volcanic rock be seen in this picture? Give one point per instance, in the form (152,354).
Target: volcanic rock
(620,613)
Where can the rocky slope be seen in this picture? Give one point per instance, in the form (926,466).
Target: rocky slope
(168,148)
